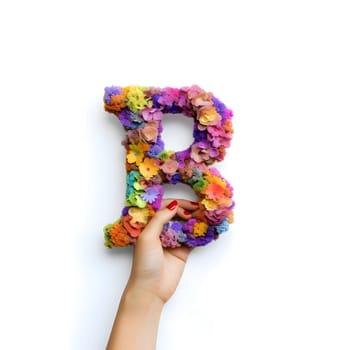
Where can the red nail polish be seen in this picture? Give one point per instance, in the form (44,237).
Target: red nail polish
(194,203)
(187,213)
(172,205)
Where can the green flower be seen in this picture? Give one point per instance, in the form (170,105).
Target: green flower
(136,99)
(200,184)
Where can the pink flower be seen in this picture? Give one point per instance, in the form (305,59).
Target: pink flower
(169,96)
(169,238)
(149,114)
(216,216)
(203,152)
(150,131)
(199,154)
(133,135)
(170,166)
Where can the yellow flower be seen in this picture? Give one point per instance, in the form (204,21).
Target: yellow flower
(139,215)
(210,204)
(208,116)
(199,229)
(231,217)
(136,153)
(136,99)
(148,169)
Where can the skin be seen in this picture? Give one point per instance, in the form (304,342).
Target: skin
(154,277)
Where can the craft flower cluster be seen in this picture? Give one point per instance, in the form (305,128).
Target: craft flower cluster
(149,165)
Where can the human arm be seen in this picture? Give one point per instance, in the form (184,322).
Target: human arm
(154,277)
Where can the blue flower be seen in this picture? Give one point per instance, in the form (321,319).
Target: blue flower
(196,176)
(223,227)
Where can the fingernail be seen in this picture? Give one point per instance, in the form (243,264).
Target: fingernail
(187,213)
(194,203)
(172,205)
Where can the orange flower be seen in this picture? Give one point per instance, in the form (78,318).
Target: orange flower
(208,116)
(151,210)
(133,229)
(119,235)
(214,191)
(231,217)
(228,126)
(116,105)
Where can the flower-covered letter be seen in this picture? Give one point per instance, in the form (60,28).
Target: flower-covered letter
(149,165)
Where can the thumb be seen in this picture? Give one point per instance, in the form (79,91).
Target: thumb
(155,226)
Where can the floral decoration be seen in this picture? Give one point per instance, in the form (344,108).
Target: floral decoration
(149,165)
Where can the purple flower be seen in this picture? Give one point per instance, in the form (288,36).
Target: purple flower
(176,226)
(188,227)
(150,194)
(111,91)
(125,211)
(157,203)
(182,156)
(129,119)
(199,135)
(155,99)
(200,241)
(155,151)
(219,106)
(175,179)
(172,109)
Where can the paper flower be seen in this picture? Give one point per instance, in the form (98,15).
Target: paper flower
(148,168)
(138,215)
(150,194)
(119,235)
(170,166)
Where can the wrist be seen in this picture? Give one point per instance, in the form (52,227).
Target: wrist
(140,297)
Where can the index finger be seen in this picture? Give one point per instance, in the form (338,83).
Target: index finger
(183,203)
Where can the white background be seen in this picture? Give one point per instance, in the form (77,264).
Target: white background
(280,278)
